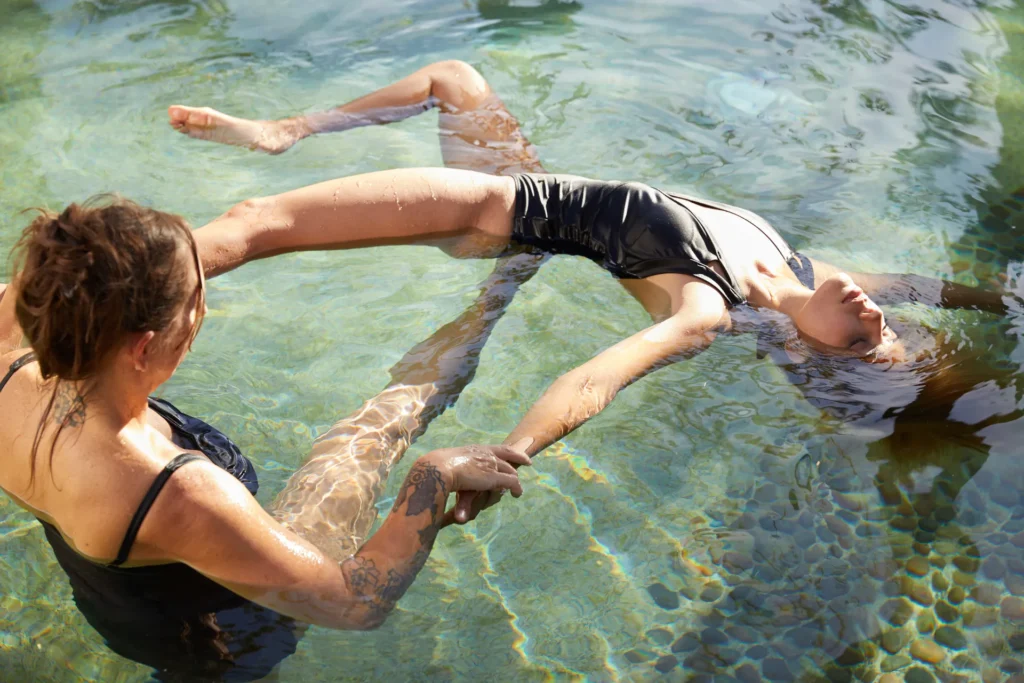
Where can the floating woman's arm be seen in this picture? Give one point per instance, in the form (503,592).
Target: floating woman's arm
(582,393)
(403,206)
(896,288)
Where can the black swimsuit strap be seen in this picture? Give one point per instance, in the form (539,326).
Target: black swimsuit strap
(15,366)
(147,502)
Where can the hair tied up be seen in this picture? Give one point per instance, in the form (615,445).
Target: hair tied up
(93,275)
(71,252)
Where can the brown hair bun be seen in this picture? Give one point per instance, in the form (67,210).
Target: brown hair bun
(93,274)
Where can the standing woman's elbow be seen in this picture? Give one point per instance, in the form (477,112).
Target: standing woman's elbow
(369,622)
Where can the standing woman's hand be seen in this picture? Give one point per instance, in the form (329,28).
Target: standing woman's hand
(3,290)
(471,503)
(479,469)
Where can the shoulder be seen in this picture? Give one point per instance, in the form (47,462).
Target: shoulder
(200,484)
(702,307)
(89,487)
(10,357)
(199,501)
(11,336)
(17,403)
(189,498)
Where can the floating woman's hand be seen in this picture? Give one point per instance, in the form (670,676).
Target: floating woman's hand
(473,470)
(471,503)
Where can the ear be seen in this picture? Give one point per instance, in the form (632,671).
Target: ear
(140,349)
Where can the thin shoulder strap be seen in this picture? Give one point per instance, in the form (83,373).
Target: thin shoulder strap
(147,502)
(15,366)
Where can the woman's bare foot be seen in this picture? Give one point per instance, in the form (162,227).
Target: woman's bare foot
(203,123)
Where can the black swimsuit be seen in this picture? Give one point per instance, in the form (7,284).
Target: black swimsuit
(632,230)
(170,616)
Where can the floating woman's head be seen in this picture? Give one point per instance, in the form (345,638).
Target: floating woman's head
(840,319)
(109,283)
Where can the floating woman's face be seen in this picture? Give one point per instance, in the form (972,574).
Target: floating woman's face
(840,318)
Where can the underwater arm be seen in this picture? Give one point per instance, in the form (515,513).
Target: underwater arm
(403,206)
(582,393)
(349,464)
(895,288)
(898,288)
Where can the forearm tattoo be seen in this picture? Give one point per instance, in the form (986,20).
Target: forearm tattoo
(420,490)
(383,592)
(419,494)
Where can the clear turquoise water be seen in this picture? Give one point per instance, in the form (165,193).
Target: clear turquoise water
(873,134)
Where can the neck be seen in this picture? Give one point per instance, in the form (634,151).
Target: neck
(780,294)
(120,397)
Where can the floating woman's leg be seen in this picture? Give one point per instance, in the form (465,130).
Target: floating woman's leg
(453,86)
(332,497)
(477,131)
(465,216)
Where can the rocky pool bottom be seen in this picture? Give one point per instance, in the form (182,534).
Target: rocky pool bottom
(837,586)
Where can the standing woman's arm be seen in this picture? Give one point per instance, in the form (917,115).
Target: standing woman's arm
(403,206)
(206,519)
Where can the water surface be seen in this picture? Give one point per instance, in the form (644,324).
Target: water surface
(711,521)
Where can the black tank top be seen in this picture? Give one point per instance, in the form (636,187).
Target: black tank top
(165,615)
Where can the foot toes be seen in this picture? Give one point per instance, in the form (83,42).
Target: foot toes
(199,117)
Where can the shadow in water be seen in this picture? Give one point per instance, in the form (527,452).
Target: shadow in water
(996,239)
(173,17)
(510,21)
(895,543)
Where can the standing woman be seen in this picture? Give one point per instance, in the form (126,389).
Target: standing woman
(151,512)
